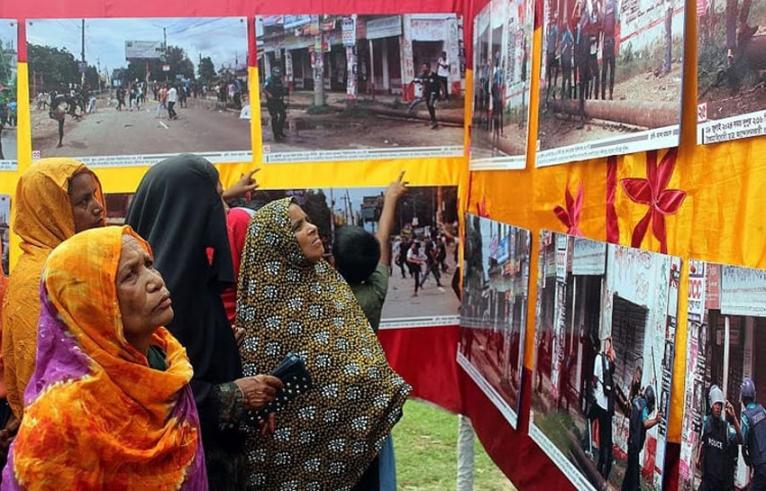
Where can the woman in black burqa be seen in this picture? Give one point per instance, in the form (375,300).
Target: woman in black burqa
(179,210)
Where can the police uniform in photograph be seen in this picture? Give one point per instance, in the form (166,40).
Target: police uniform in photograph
(754,435)
(718,446)
(640,409)
(275,103)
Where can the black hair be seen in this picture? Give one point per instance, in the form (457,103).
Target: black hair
(357,253)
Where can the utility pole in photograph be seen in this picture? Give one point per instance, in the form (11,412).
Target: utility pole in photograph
(82,55)
(98,72)
(165,49)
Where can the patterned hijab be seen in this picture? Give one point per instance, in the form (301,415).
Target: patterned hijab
(96,415)
(42,219)
(327,437)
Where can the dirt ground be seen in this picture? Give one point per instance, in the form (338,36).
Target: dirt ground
(331,132)
(561,130)
(722,104)
(514,137)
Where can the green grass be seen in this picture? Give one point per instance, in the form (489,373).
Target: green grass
(425,442)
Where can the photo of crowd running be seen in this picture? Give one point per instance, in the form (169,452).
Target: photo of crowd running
(8,104)
(502,76)
(731,59)
(611,73)
(604,349)
(725,379)
(493,312)
(340,87)
(138,87)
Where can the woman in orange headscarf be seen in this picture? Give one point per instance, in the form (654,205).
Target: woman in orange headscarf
(109,405)
(55,199)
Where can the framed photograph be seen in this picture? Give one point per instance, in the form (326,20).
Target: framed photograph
(493,314)
(731,63)
(359,87)
(8,104)
(123,92)
(502,44)
(611,78)
(604,350)
(419,295)
(726,342)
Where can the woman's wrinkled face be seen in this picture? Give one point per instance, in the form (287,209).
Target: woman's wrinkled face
(306,233)
(87,210)
(144,300)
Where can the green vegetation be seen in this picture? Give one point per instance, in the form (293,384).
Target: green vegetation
(425,442)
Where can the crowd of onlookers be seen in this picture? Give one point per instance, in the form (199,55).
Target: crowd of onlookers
(195,347)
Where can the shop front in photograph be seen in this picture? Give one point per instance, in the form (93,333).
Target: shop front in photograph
(384,53)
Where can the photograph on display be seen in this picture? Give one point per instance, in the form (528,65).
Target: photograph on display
(731,66)
(611,78)
(8,107)
(5,230)
(115,92)
(604,349)
(726,345)
(420,287)
(502,42)
(493,314)
(354,87)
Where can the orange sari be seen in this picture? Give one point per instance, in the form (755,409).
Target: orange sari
(43,219)
(96,415)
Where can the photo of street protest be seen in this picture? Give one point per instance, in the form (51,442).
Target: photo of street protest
(493,313)
(611,78)
(352,87)
(725,377)
(423,242)
(731,70)
(117,92)
(8,105)
(502,43)
(604,349)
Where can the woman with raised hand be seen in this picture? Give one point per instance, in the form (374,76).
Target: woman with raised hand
(290,300)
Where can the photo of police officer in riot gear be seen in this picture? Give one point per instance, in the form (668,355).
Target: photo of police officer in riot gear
(723,433)
(753,435)
(604,360)
(718,447)
(274,92)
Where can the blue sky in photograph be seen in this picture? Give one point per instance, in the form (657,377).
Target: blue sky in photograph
(8,34)
(223,39)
